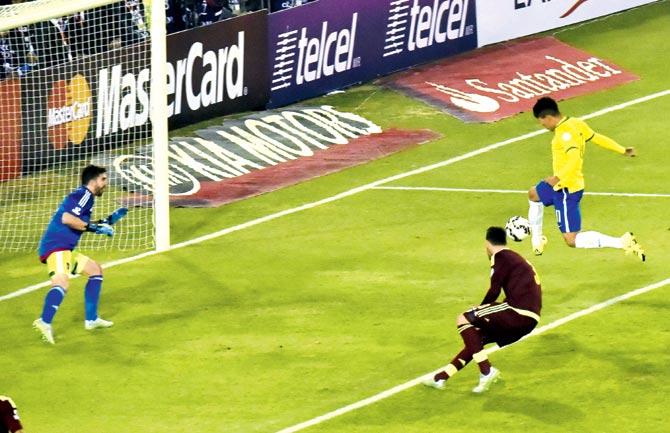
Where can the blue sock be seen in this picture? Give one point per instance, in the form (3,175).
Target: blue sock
(92,296)
(51,303)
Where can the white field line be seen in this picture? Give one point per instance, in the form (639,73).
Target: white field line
(541,330)
(512,191)
(348,193)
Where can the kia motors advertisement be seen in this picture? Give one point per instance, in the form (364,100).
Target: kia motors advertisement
(331,44)
(502,20)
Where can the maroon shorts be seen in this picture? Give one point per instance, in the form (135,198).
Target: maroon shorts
(499,323)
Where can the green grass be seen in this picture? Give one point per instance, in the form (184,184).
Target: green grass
(287,320)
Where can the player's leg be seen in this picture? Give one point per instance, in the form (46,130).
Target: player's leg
(570,221)
(474,339)
(58,264)
(482,318)
(539,196)
(506,326)
(92,291)
(456,364)
(593,239)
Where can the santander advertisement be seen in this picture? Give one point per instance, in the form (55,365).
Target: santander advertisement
(498,82)
(502,20)
(330,44)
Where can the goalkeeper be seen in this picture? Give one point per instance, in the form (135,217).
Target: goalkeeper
(57,246)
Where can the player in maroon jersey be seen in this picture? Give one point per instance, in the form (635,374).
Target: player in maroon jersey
(496,322)
(9,417)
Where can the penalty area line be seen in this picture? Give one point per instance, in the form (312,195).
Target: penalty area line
(512,191)
(538,331)
(347,193)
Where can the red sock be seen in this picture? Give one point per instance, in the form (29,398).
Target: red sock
(473,342)
(459,361)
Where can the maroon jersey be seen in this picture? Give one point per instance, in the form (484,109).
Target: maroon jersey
(517,278)
(9,417)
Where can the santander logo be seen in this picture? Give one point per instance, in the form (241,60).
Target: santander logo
(467,101)
(560,76)
(499,82)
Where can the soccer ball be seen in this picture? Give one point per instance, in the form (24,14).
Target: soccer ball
(517,228)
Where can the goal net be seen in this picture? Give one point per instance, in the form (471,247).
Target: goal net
(75,87)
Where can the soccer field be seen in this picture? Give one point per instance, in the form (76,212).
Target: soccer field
(352,286)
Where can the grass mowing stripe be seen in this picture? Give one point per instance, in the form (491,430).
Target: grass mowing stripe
(348,193)
(538,331)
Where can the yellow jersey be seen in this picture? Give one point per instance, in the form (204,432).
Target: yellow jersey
(567,151)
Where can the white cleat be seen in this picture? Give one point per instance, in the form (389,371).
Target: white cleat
(45,330)
(97,323)
(486,381)
(538,247)
(437,384)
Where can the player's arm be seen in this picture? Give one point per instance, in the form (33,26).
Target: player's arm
(114,217)
(73,221)
(79,224)
(74,206)
(492,294)
(494,289)
(607,143)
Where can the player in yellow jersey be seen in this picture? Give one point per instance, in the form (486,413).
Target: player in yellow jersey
(564,189)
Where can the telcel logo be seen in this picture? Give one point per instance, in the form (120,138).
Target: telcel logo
(444,20)
(331,53)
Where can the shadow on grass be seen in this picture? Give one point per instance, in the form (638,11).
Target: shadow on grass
(547,411)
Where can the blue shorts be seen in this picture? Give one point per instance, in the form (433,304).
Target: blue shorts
(566,204)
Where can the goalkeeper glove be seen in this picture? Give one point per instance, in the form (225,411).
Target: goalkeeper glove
(100,229)
(114,217)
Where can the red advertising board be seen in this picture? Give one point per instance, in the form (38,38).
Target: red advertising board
(501,81)
(10,129)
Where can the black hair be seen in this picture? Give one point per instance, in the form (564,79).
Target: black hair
(545,106)
(496,235)
(91,172)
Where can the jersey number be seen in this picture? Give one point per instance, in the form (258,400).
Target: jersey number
(535,276)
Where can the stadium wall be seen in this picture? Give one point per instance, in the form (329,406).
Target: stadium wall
(218,69)
(256,61)
(330,44)
(98,102)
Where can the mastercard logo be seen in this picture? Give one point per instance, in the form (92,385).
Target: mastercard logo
(69,111)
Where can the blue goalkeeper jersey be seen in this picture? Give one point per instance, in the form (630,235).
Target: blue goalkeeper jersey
(60,237)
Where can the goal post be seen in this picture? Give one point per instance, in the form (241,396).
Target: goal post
(82,81)
(159,116)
